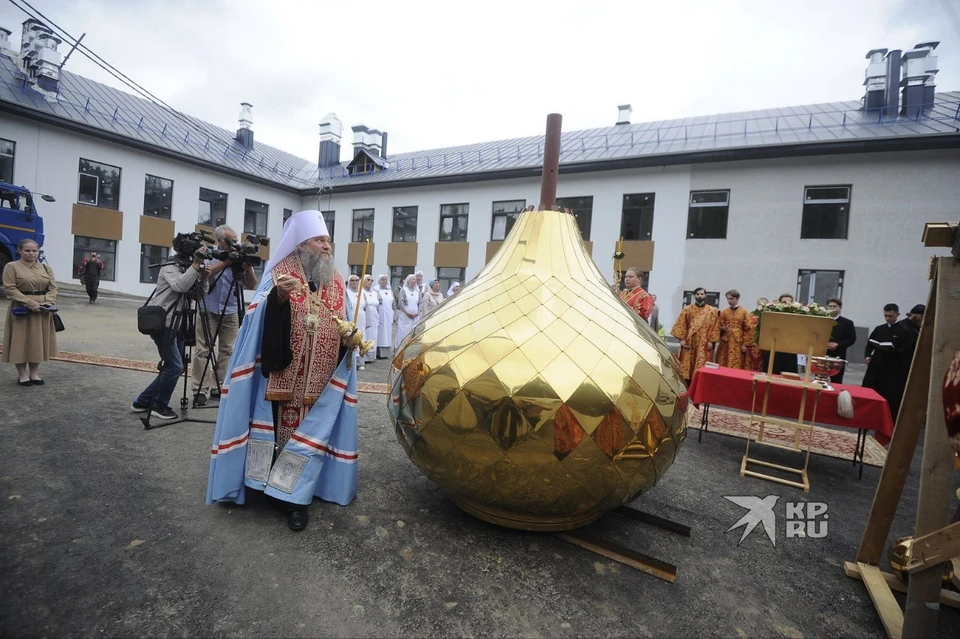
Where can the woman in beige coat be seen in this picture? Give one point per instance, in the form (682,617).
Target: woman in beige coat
(29,339)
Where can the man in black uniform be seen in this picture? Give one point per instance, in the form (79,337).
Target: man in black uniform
(885,354)
(842,336)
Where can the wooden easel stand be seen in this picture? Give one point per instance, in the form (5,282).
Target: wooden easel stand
(939,340)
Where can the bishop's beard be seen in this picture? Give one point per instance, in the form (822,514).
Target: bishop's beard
(700,302)
(317,267)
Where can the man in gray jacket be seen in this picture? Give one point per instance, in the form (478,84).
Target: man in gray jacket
(172,282)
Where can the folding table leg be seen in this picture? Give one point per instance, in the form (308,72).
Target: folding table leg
(704,421)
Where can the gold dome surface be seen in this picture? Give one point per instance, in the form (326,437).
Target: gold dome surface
(534,397)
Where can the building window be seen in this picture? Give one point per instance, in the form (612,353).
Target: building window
(106,249)
(213,208)
(355,270)
(286,214)
(636,222)
(505,215)
(707,216)
(448,275)
(157,196)
(826,213)
(328,219)
(453,222)
(818,286)
(405,223)
(8,149)
(582,208)
(644,280)
(255,217)
(362,225)
(149,255)
(99,185)
(398,275)
(713,298)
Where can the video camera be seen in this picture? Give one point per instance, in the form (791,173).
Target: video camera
(187,245)
(241,253)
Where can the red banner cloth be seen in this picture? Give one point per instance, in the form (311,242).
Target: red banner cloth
(734,389)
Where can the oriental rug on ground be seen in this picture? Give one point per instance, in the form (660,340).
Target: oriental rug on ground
(832,442)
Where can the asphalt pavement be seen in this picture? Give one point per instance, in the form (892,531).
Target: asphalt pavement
(104,532)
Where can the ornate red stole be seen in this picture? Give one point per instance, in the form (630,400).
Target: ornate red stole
(314,357)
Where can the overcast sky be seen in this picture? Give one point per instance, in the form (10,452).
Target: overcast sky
(437,74)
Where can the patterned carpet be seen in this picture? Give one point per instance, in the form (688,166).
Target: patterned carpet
(826,441)
(151,367)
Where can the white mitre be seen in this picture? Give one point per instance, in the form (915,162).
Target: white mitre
(296,230)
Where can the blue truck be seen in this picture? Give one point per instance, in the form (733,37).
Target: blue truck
(19,220)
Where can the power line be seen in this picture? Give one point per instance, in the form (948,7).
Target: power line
(103,64)
(142,92)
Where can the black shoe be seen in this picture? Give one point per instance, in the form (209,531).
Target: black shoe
(199,399)
(297,519)
(36,382)
(29,382)
(162,412)
(139,408)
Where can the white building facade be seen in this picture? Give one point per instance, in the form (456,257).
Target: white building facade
(817,201)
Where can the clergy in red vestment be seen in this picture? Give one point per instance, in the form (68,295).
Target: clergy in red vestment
(636,298)
(736,332)
(698,329)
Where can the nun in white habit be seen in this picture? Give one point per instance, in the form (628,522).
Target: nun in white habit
(408,305)
(385,332)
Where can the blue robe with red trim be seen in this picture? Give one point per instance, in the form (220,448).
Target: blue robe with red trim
(321,457)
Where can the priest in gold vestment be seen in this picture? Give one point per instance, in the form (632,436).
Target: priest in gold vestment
(698,329)
(736,333)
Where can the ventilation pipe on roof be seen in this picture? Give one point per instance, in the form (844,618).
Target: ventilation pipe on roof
(623,116)
(875,79)
(366,139)
(5,47)
(919,79)
(383,145)
(330,131)
(245,132)
(39,56)
(891,98)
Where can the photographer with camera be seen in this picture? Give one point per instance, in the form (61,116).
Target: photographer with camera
(173,281)
(219,313)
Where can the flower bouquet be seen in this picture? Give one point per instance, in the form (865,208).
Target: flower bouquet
(793,307)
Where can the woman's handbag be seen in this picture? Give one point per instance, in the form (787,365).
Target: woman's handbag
(151,320)
(58,323)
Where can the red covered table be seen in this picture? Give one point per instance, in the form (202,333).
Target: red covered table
(733,388)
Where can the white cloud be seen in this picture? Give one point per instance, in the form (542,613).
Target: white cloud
(437,74)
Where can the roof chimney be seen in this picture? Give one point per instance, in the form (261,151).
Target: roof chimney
(245,132)
(919,79)
(891,99)
(875,79)
(623,117)
(39,56)
(366,139)
(330,131)
(383,145)
(5,46)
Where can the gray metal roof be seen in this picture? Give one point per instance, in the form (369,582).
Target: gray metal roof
(94,105)
(781,129)
(91,105)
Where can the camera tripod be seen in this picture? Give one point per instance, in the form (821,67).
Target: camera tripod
(184,327)
(236,292)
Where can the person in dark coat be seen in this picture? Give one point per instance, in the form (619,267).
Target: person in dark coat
(885,354)
(90,271)
(842,336)
(911,327)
